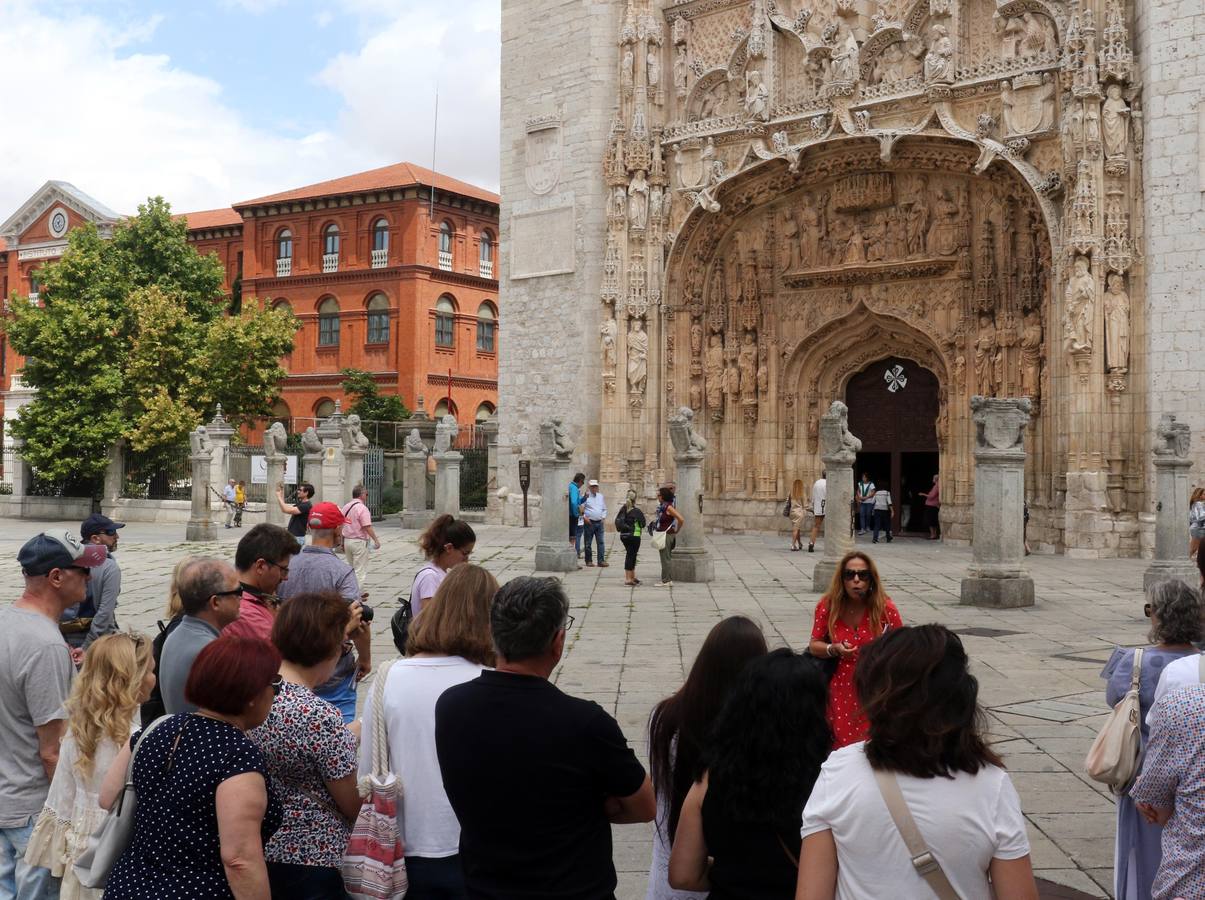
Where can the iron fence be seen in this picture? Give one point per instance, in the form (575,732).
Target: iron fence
(164,474)
(39,485)
(474,478)
(386,435)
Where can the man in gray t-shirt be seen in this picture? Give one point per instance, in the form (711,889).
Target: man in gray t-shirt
(35,679)
(210,596)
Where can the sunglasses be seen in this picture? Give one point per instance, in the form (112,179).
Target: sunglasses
(276,684)
(856,575)
(83,570)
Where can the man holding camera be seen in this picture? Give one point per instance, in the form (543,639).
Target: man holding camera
(317,569)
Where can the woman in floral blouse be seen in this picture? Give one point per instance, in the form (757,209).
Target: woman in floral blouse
(311,754)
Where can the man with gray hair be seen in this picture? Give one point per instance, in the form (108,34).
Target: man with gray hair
(210,596)
(559,766)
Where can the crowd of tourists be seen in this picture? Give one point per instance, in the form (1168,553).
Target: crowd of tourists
(858,768)
(588,518)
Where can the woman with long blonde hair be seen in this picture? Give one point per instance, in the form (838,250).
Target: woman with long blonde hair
(853,612)
(796,511)
(116,677)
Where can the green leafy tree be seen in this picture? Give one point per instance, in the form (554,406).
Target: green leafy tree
(368,402)
(132,343)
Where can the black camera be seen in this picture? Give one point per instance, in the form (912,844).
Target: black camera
(366,613)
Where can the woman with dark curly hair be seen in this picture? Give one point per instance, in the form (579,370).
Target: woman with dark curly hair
(763,759)
(926,742)
(679,726)
(853,612)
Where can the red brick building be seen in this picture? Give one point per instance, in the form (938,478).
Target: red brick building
(381,275)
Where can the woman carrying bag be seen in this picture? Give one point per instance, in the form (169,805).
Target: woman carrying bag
(631,525)
(667,522)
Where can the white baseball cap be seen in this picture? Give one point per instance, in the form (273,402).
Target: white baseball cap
(593,482)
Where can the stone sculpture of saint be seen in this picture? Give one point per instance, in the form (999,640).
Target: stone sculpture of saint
(748,368)
(610,331)
(1080,300)
(918,228)
(985,357)
(757,97)
(1117,324)
(713,369)
(809,233)
(681,71)
(1031,354)
(638,354)
(1115,116)
(845,60)
(638,200)
(1091,123)
(653,64)
(939,61)
(629,67)
(1036,40)
(943,233)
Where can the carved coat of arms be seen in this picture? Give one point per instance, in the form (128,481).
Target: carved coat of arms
(544,152)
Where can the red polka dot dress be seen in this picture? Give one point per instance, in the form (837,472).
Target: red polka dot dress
(845,716)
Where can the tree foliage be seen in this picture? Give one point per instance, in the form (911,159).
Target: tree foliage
(367,400)
(132,342)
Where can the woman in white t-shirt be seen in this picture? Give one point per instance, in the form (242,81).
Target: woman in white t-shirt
(448,645)
(922,705)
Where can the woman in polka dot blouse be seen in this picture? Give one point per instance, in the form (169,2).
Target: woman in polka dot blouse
(852,613)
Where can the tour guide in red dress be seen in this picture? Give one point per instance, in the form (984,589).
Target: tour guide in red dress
(849,616)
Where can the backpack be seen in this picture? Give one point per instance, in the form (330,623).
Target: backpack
(1113,757)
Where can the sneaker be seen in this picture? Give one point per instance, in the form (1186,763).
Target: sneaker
(664,584)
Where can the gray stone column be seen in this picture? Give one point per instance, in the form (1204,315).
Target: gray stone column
(493,506)
(996,576)
(22,474)
(1173,441)
(275,466)
(447,482)
(838,451)
(414,483)
(114,472)
(200,526)
(220,432)
(353,472)
(329,485)
(690,561)
(554,553)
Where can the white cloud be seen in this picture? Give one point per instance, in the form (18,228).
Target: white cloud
(122,124)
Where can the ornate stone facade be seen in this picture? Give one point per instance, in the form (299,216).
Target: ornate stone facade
(819,186)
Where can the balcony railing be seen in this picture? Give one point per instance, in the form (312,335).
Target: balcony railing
(330,263)
(445,260)
(485,268)
(284,267)
(380,259)
(33,298)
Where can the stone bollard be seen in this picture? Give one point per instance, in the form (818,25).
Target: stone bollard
(414,483)
(200,526)
(690,561)
(554,553)
(275,442)
(22,474)
(996,577)
(355,446)
(447,468)
(838,451)
(329,485)
(220,432)
(1170,457)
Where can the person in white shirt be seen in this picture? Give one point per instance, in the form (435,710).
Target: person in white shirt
(228,497)
(882,514)
(922,705)
(448,644)
(594,511)
(819,493)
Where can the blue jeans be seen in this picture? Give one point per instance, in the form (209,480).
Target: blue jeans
(343,697)
(594,530)
(865,516)
(17,880)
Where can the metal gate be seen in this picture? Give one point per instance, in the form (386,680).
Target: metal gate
(374,479)
(474,478)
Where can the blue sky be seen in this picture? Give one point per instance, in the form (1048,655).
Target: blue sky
(217,101)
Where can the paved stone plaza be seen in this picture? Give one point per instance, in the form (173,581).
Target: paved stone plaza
(1038,667)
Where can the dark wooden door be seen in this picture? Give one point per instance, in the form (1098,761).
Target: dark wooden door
(893,410)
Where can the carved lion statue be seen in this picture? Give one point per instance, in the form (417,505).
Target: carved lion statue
(353,437)
(446,431)
(310,441)
(414,443)
(682,432)
(275,440)
(200,441)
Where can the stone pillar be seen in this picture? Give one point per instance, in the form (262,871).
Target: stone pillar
(329,485)
(353,472)
(220,432)
(996,576)
(493,505)
(554,553)
(22,474)
(838,451)
(114,472)
(414,483)
(200,526)
(447,483)
(690,561)
(1173,441)
(275,466)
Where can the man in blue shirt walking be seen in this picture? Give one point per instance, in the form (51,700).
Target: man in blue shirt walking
(575,512)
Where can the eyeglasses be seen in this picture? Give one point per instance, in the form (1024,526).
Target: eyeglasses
(234,592)
(1146,610)
(284,569)
(277,684)
(856,575)
(568,623)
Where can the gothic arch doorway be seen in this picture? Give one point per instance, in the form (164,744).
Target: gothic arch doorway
(893,408)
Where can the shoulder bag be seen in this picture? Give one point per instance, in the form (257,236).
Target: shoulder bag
(786,508)
(113,836)
(374,864)
(925,863)
(1113,757)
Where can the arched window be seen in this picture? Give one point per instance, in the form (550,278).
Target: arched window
(484,411)
(281,413)
(328,323)
(380,243)
(445,322)
(324,408)
(485,259)
(282,304)
(443,408)
(378,319)
(487,327)
(445,246)
(284,244)
(330,248)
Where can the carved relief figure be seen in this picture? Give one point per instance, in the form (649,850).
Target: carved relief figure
(1116,122)
(638,355)
(732,381)
(1080,300)
(845,60)
(1038,38)
(653,68)
(943,233)
(939,61)
(1091,123)
(1028,105)
(629,67)
(681,71)
(985,357)
(809,233)
(918,228)
(1031,354)
(638,200)
(1012,31)
(713,369)
(310,442)
(748,368)
(610,331)
(1117,324)
(696,339)
(715,101)
(757,97)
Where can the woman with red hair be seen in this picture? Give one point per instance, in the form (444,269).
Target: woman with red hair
(204,806)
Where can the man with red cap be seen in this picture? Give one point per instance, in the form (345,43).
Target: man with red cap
(35,679)
(318,570)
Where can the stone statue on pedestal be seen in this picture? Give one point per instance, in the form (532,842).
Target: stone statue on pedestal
(310,442)
(1173,441)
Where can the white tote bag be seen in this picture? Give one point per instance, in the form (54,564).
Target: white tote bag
(1113,757)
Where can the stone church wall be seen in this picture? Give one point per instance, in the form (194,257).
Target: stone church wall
(1171,52)
(557,88)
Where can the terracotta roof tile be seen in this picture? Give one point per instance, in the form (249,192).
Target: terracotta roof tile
(212,218)
(396,176)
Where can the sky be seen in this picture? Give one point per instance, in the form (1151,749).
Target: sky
(209,103)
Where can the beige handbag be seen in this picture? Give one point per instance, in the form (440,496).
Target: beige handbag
(925,863)
(1113,757)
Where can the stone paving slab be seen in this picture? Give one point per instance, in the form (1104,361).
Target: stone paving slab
(1038,668)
